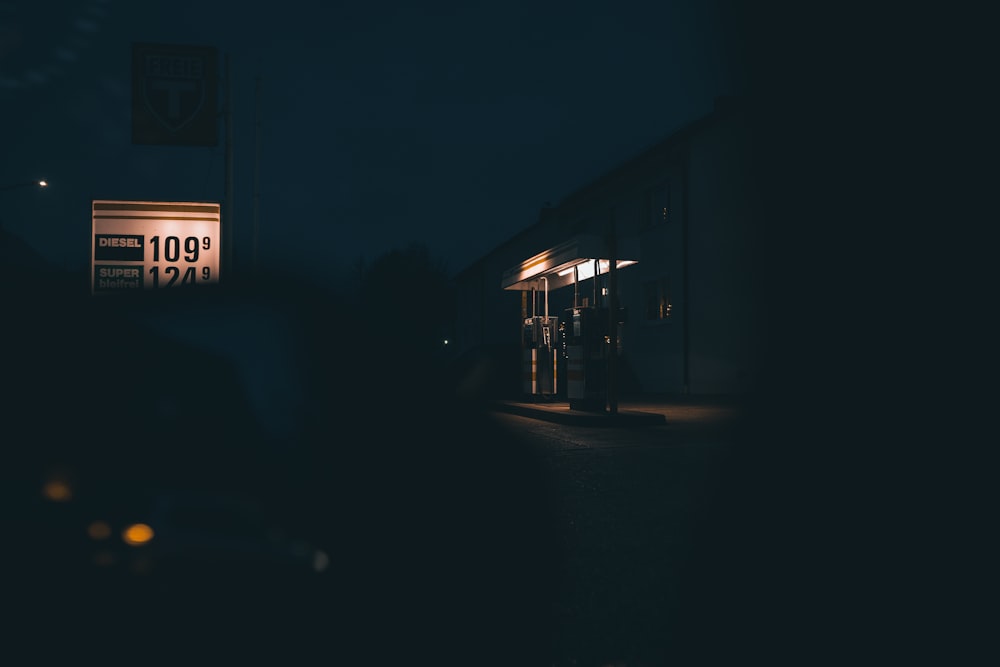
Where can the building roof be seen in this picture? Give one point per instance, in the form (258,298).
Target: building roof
(724,107)
(564,263)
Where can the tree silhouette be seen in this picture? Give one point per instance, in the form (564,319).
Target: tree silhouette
(407,301)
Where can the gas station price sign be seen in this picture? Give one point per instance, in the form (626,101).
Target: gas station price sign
(141,245)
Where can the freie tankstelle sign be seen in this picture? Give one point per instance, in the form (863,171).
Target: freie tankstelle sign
(174,91)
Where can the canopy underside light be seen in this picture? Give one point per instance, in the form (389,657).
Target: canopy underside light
(563,265)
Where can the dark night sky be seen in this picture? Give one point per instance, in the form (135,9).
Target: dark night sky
(445,123)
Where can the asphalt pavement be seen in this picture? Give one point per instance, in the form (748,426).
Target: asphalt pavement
(642,549)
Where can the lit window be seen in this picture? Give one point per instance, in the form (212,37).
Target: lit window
(661,204)
(656,295)
(655,208)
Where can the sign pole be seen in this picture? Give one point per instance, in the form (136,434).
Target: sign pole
(256,171)
(229,212)
(612,315)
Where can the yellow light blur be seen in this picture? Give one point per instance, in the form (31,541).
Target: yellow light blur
(99,530)
(137,534)
(57,491)
(43,184)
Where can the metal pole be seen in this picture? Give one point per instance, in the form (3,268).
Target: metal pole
(685,275)
(613,318)
(256,172)
(545,281)
(230,216)
(597,273)
(576,286)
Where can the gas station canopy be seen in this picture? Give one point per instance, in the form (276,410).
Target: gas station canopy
(565,264)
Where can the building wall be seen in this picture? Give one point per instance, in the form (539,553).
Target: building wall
(720,272)
(653,348)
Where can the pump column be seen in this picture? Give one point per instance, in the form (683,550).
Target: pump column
(538,342)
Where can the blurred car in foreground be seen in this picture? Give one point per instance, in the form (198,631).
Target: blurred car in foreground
(181,531)
(105,530)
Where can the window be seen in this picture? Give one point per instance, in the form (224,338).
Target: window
(656,295)
(655,208)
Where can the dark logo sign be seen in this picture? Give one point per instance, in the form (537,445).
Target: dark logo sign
(174,95)
(118,247)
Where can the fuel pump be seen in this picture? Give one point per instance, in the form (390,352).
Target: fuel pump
(575,356)
(539,342)
(587,347)
(586,357)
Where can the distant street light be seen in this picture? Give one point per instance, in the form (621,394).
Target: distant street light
(26,184)
(40,184)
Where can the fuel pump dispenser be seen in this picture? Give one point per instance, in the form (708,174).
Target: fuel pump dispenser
(587,345)
(575,356)
(539,342)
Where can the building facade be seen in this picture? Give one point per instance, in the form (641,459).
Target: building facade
(681,211)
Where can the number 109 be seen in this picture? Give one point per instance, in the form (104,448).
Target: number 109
(172,248)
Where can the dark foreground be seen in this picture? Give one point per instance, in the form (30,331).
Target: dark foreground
(312,497)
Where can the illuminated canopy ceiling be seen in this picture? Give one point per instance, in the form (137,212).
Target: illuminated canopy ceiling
(564,263)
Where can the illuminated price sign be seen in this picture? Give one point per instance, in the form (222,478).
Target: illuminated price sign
(140,245)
